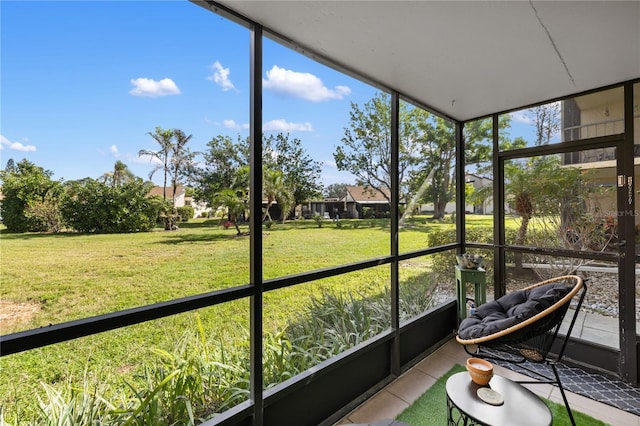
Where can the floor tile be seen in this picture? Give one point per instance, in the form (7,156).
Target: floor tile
(411,385)
(383,405)
(398,395)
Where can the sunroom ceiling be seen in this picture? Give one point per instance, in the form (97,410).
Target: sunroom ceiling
(465,59)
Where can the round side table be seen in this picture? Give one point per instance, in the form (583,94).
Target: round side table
(521,406)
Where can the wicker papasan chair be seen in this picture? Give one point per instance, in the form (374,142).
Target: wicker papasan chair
(523,325)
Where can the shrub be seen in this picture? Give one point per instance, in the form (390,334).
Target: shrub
(31,198)
(185,213)
(93,206)
(368,213)
(45,215)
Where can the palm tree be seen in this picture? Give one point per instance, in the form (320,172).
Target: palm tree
(181,159)
(286,201)
(120,175)
(163,155)
(272,185)
(235,202)
(541,187)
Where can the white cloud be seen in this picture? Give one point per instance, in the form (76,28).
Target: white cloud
(15,146)
(144,159)
(301,85)
(149,88)
(330,163)
(284,126)
(114,151)
(231,124)
(280,125)
(221,76)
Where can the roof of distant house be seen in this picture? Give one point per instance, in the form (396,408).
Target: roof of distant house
(361,194)
(158,190)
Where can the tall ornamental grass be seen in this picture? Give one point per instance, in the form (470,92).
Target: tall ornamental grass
(201,377)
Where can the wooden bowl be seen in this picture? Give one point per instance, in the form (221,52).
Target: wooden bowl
(480,370)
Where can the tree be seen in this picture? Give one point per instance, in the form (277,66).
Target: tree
(120,174)
(28,191)
(432,179)
(286,202)
(272,187)
(426,153)
(182,160)
(547,122)
(163,155)
(540,187)
(336,190)
(235,201)
(301,174)
(226,165)
(438,149)
(223,159)
(366,144)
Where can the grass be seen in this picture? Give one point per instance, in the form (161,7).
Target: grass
(431,408)
(70,276)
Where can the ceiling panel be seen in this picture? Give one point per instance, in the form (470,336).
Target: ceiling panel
(465,58)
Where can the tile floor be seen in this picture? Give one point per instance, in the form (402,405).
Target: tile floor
(398,395)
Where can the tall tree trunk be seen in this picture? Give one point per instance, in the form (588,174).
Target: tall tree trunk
(266,212)
(439,209)
(522,233)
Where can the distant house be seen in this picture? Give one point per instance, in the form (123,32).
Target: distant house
(478,182)
(356,203)
(178,199)
(181,199)
(360,201)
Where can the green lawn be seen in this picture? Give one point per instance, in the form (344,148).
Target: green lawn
(71,276)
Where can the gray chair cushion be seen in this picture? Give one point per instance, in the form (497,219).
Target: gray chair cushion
(511,309)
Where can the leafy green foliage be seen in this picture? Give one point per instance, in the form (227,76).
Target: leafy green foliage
(30,198)
(336,190)
(202,376)
(319,220)
(222,159)
(46,214)
(119,175)
(185,213)
(300,172)
(427,150)
(273,186)
(93,206)
(71,405)
(236,202)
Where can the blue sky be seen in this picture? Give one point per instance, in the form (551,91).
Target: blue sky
(83,82)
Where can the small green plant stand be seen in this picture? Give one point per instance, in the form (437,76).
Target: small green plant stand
(478,278)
